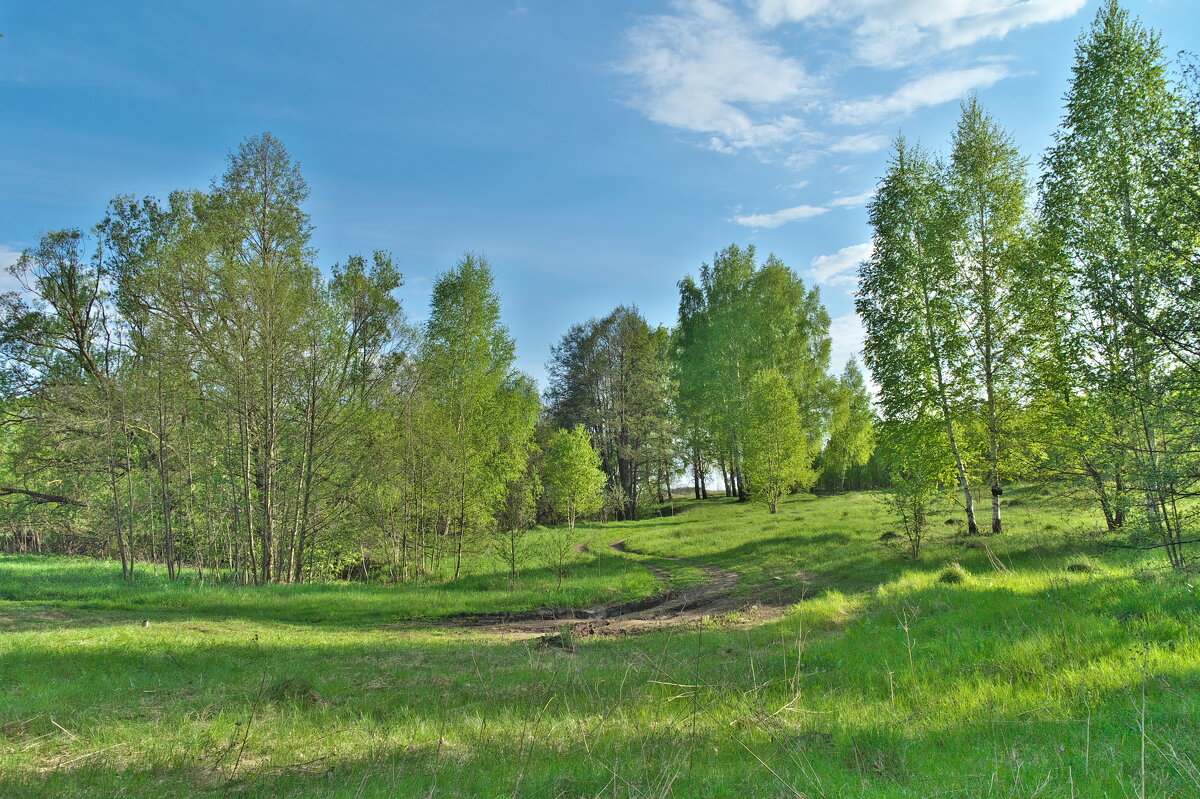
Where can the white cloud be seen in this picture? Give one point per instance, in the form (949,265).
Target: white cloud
(840,267)
(935,89)
(704,70)
(846,336)
(860,143)
(792,186)
(853,201)
(782,217)
(732,72)
(798,212)
(895,32)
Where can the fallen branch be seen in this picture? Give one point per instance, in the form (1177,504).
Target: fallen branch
(40,498)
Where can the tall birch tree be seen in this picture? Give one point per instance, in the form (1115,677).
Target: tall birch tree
(908,301)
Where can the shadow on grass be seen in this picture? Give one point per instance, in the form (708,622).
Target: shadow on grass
(41,585)
(1031,690)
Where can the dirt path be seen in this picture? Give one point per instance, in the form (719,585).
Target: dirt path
(669,609)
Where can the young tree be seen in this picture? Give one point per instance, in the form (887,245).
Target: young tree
(778,456)
(851,428)
(913,453)
(486,408)
(907,300)
(987,187)
(571,474)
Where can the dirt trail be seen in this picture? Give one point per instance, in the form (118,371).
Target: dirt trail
(669,609)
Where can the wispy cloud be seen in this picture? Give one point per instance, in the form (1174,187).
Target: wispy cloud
(704,70)
(897,32)
(935,89)
(732,73)
(860,143)
(782,217)
(839,268)
(798,213)
(853,201)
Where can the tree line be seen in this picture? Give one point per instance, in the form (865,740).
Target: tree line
(183,385)
(1019,330)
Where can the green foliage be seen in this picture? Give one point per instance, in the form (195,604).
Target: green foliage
(916,459)
(610,375)
(851,428)
(740,318)
(481,408)
(241,414)
(1109,198)
(909,301)
(986,188)
(778,456)
(571,474)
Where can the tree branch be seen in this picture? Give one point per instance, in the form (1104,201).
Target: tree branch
(40,498)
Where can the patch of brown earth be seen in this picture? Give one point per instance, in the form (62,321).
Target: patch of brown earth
(710,600)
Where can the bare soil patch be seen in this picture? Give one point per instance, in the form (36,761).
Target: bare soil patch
(711,598)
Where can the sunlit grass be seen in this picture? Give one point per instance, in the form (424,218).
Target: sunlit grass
(884,682)
(84,583)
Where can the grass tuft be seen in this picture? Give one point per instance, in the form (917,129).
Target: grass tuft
(562,638)
(296,690)
(1083,564)
(954,574)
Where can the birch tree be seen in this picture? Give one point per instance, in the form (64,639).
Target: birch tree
(1103,184)
(907,299)
(987,188)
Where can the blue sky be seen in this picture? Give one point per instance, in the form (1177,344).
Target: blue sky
(595,150)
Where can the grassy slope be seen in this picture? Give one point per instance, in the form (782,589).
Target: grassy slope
(1023,683)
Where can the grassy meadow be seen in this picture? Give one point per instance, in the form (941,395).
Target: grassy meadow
(1045,666)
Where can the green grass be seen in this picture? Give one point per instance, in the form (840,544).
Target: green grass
(884,682)
(85,584)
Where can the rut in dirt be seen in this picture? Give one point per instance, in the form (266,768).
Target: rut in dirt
(670,608)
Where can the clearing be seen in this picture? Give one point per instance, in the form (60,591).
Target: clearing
(782,656)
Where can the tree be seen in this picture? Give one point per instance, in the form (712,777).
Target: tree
(738,319)
(517,516)
(851,428)
(1104,181)
(203,390)
(987,187)
(610,375)
(260,236)
(70,433)
(485,409)
(914,455)
(571,474)
(908,302)
(778,456)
